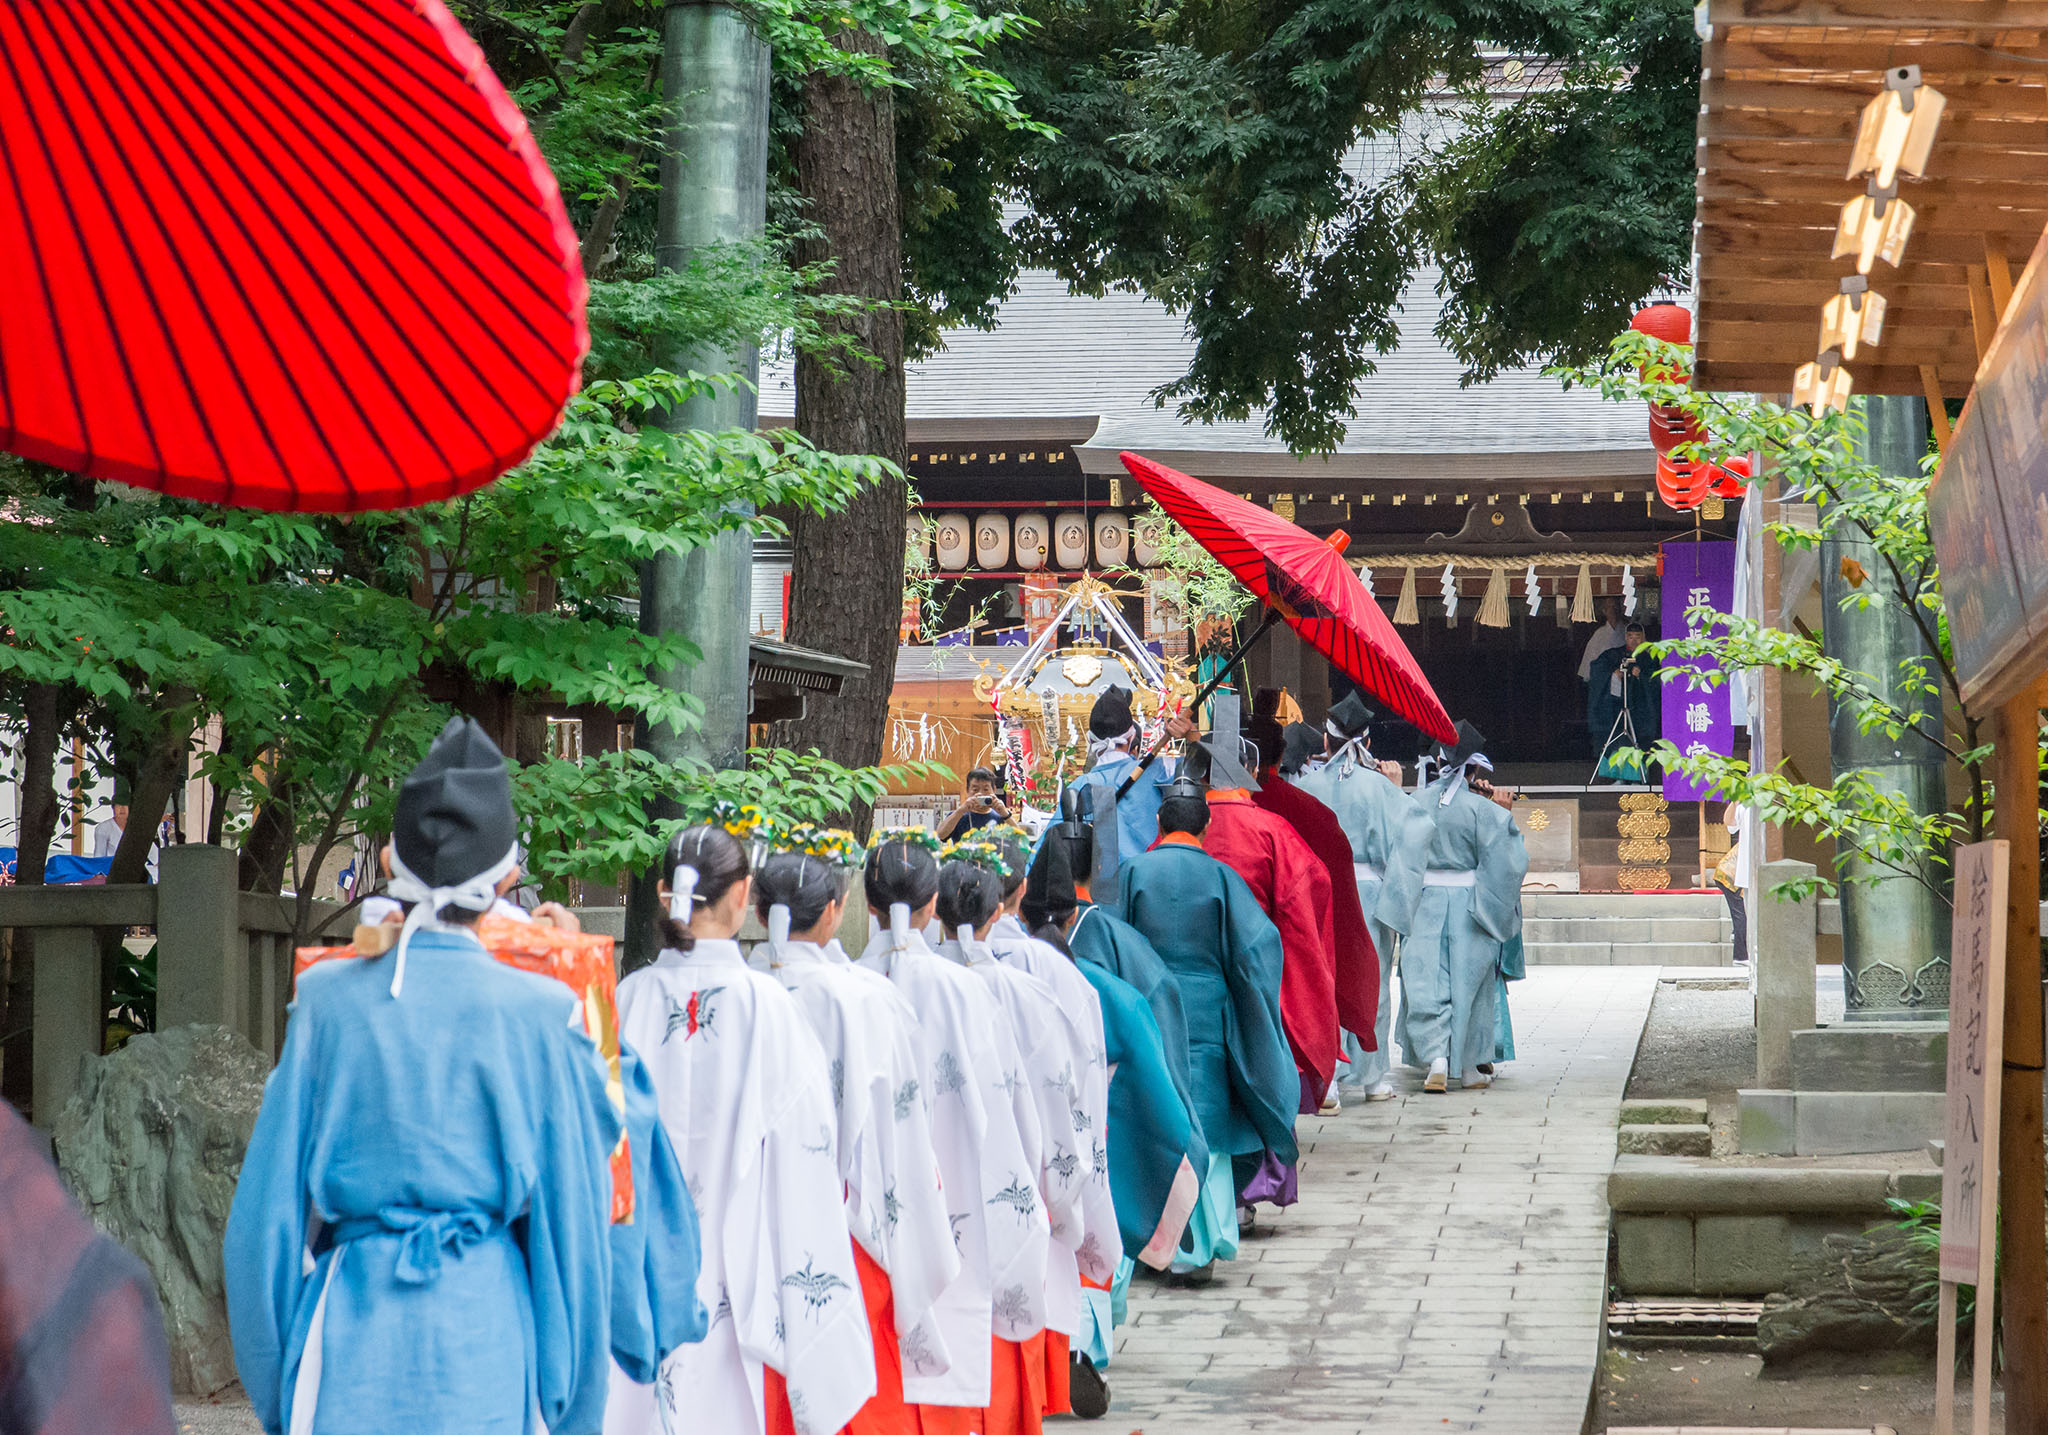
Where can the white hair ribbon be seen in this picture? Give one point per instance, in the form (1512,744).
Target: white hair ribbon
(682,893)
(778,927)
(475,894)
(899,924)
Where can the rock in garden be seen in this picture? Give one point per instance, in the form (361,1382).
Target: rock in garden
(1861,1295)
(151,1144)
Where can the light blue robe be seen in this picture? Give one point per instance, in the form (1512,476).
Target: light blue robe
(1450,958)
(1137,812)
(437,1165)
(1374,813)
(655,1255)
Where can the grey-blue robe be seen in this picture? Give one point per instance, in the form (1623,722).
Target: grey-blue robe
(1451,953)
(1374,812)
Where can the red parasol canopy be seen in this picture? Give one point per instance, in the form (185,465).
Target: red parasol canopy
(1309,583)
(292,256)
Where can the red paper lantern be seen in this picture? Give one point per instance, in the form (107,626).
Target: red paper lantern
(1670,322)
(1682,483)
(1671,426)
(1730,479)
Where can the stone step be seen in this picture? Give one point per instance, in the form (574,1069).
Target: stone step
(1665,1140)
(1623,904)
(1627,929)
(1664,1111)
(1627,954)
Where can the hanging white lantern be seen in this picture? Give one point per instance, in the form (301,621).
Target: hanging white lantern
(1033,537)
(954,541)
(1112,540)
(1070,540)
(917,537)
(992,541)
(1148,536)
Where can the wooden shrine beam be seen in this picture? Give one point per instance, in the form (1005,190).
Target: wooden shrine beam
(1732,230)
(1880,14)
(1728,121)
(1820,161)
(1767,274)
(1945,61)
(1900,346)
(1932,198)
(1751,375)
(1841,98)
(1803,311)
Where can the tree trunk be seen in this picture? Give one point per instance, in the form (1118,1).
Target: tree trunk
(267,848)
(163,767)
(846,594)
(45,714)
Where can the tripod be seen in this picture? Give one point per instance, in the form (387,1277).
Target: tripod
(1623,726)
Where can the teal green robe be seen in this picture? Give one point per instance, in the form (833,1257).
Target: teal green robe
(1109,942)
(1224,954)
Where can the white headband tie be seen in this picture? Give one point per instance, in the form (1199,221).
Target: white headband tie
(475,894)
(682,893)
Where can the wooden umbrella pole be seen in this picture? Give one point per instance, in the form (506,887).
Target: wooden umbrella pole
(1222,675)
(2023,1242)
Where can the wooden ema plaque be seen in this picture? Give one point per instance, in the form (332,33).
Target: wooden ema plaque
(579,960)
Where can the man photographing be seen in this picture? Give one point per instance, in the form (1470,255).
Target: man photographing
(981,807)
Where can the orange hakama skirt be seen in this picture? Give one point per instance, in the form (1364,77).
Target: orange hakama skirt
(886,1412)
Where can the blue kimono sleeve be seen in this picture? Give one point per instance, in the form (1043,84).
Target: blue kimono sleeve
(1152,1131)
(1261,1062)
(1401,887)
(655,1256)
(264,1248)
(1121,950)
(568,1231)
(1503,862)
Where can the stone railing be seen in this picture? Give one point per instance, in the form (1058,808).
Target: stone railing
(224,957)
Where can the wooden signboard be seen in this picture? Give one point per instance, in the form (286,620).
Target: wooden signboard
(1969,1160)
(1988,507)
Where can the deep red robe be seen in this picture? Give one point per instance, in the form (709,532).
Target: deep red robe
(1357,959)
(1293,887)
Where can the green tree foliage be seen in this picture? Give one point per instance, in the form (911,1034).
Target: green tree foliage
(1816,458)
(1262,170)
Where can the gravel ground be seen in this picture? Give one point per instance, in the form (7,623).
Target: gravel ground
(1700,1041)
(1690,1387)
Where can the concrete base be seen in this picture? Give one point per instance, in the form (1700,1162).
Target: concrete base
(1604,929)
(1871,1056)
(1688,1227)
(1836,1123)
(1671,1111)
(1665,1141)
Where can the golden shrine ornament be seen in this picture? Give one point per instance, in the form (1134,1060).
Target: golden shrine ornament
(1082,669)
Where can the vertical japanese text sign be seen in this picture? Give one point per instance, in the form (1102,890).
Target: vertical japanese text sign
(1976,1050)
(1696,719)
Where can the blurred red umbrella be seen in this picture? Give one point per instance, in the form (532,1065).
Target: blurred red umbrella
(1304,582)
(301,256)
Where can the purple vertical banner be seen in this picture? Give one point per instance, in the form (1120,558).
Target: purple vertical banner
(1695,719)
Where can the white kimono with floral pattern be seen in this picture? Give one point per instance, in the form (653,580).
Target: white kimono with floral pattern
(991,1184)
(894,1202)
(746,1100)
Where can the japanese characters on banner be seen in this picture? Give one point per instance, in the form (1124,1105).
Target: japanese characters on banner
(1976,1054)
(1695,719)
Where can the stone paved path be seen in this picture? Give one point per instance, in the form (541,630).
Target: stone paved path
(1445,1269)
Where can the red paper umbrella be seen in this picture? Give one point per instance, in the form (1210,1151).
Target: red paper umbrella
(1304,581)
(293,256)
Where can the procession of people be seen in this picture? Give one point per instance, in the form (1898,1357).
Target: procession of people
(902,1194)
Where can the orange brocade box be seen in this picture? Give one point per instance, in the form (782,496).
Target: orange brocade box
(579,960)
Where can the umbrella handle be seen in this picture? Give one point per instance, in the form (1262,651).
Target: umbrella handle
(1222,674)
